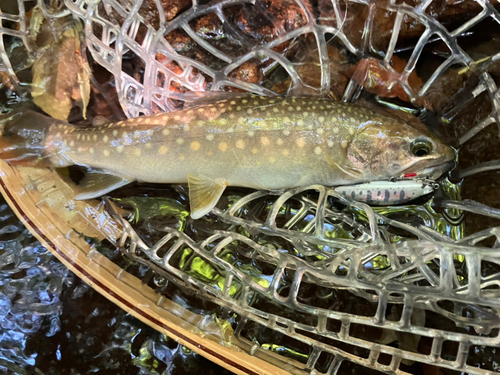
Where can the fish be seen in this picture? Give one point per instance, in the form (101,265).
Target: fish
(264,143)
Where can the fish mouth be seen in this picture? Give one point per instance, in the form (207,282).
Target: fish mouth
(433,172)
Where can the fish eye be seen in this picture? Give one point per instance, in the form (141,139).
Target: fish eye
(421,148)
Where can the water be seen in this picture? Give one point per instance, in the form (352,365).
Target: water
(53,323)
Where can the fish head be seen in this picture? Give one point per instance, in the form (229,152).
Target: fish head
(396,149)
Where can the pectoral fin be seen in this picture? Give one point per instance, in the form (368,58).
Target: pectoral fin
(204,193)
(97,183)
(344,168)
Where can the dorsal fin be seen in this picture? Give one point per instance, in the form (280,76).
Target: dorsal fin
(100,120)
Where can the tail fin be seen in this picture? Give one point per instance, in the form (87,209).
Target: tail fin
(23,139)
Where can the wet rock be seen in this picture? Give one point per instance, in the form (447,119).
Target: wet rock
(149,11)
(210,28)
(354,17)
(249,71)
(308,67)
(267,20)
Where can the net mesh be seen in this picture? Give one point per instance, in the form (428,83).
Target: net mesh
(434,272)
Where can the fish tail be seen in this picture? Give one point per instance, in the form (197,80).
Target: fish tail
(23,139)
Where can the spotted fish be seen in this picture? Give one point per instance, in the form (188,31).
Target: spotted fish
(249,141)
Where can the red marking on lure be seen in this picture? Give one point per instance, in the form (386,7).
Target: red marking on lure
(408,175)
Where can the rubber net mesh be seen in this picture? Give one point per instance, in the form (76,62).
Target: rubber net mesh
(390,285)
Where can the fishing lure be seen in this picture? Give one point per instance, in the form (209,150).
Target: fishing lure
(381,193)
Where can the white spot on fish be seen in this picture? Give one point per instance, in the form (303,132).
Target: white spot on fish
(106,152)
(105,138)
(286,132)
(279,142)
(162,150)
(165,132)
(149,145)
(244,101)
(321,119)
(115,133)
(300,123)
(249,111)
(210,137)
(286,152)
(335,130)
(319,131)
(251,133)
(300,142)
(265,141)
(317,150)
(119,149)
(186,128)
(240,144)
(72,143)
(91,150)
(330,143)
(137,152)
(180,141)
(272,160)
(147,121)
(176,118)
(254,150)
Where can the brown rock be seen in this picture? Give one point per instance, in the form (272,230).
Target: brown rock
(268,19)
(249,71)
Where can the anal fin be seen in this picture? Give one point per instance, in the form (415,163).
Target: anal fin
(204,193)
(97,183)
